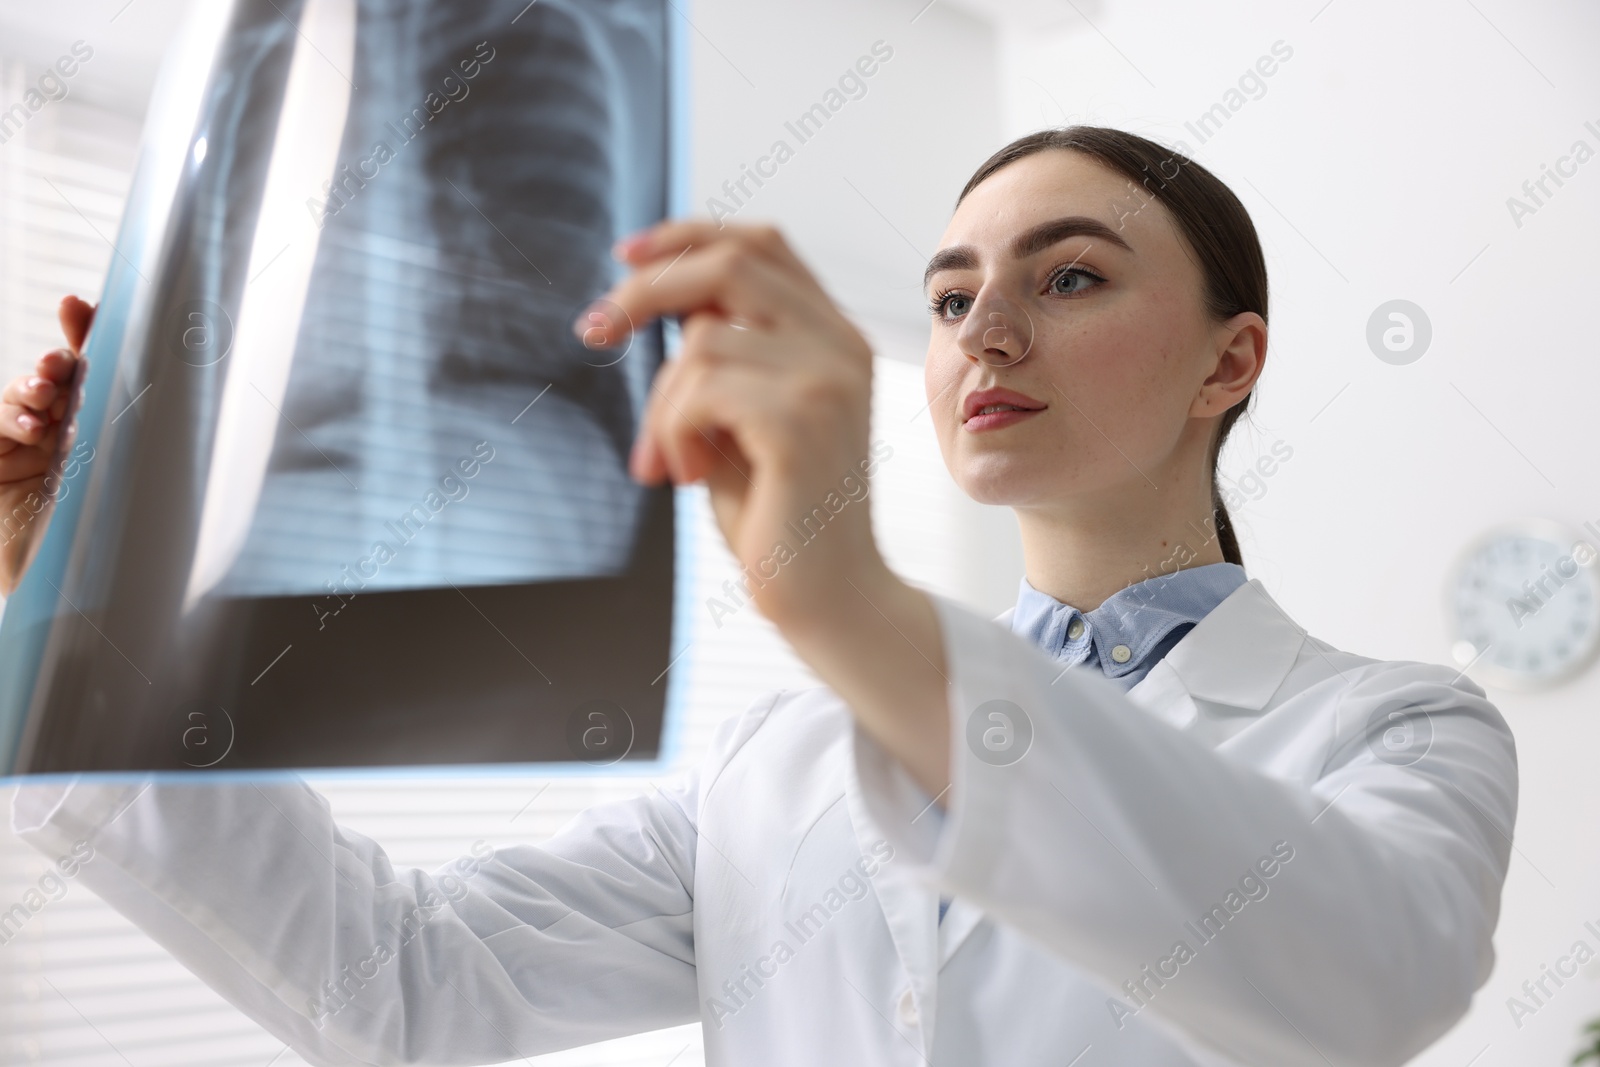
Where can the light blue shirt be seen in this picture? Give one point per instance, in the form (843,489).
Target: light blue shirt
(1128,634)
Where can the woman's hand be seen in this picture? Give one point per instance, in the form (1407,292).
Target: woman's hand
(768,404)
(31,412)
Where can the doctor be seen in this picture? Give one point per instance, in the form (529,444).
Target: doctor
(1146,820)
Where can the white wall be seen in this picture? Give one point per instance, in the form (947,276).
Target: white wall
(1377,165)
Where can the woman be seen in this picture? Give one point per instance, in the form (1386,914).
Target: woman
(1150,821)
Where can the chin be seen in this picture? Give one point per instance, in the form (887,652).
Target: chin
(1007,481)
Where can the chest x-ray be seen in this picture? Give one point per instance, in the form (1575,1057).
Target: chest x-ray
(358,494)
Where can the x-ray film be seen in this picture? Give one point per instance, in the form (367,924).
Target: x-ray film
(345,489)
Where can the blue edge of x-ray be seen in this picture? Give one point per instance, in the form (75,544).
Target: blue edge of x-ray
(38,599)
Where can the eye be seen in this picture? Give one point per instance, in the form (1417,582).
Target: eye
(1069,281)
(950,305)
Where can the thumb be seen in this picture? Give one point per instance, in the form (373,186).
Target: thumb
(76,316)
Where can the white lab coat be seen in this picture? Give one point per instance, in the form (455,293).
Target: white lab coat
(735,895)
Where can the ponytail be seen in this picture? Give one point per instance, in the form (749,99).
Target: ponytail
(1221,521)
(1224,526)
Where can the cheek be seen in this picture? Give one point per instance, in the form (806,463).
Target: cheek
(1096,365)
(1130,369)
(941,378)
(1122,394)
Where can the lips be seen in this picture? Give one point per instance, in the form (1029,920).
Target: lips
(1002,400)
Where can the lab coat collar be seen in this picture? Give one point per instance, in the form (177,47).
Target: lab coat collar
(959,921)
(1239,654)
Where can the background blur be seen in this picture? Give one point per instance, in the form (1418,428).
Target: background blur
(1376,160)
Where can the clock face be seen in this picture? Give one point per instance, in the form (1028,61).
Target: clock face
(1526,606)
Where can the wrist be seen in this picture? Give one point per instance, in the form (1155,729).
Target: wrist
(883,654)
(840,606)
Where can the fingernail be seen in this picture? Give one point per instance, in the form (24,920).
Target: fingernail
(591,325)
(630,244)
(586,322)
(29,422)
(36,383)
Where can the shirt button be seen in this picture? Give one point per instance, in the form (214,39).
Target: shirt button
(1122,653)
(907,1009)
(1075,629)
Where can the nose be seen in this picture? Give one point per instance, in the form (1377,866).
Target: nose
(997,331)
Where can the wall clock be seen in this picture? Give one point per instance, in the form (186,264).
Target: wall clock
(1524,604)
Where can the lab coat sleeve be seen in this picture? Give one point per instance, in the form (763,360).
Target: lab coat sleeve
(1117,836)
(307,928)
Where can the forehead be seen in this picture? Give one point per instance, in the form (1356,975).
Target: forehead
(1053,184)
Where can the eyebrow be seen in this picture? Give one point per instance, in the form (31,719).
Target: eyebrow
(1042,236)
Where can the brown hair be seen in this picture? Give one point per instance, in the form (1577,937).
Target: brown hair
(1212,220)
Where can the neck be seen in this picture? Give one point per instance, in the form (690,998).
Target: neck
(1083,551)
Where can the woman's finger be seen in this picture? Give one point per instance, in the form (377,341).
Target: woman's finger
(729,277)
(76,317)
(689,443)
(60,369)
(57,366)
(709,342)
(688,447)
(667,239)
(21,424)
(717,409)
(645,462)
(18,462)
(713,337)
(31,391)
(659,451)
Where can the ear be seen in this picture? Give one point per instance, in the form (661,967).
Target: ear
(1241,355)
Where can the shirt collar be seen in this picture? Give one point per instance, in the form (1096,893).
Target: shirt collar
(1128,632)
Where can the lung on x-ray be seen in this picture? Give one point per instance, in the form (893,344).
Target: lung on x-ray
(346,489)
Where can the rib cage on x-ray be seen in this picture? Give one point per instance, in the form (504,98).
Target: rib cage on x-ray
(219,556)
(441,305)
